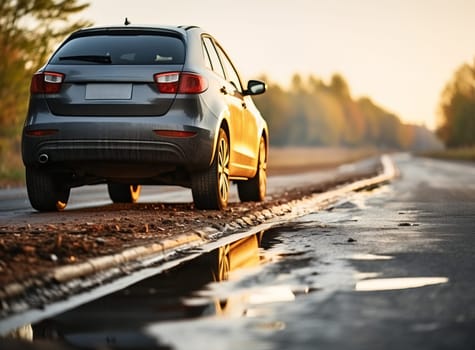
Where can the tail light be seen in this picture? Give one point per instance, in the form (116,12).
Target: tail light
(46,83)
(180,83)
(175,133)
(41,132)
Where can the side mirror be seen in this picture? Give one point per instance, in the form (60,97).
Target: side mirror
(255,87)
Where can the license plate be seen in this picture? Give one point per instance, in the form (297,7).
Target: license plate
(108,91)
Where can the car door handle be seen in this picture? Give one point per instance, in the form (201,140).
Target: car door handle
(223,90)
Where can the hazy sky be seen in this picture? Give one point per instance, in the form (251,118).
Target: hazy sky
(400,53)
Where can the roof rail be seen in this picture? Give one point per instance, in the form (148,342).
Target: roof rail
(187,27)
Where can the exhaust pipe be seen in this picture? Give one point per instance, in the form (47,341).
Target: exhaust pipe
(43,158)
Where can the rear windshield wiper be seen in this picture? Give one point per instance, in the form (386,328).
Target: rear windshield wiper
(88,58)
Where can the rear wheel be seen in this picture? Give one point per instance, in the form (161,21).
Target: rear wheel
(221,264)
(123,193)
(255,189)
(210,188)
(46,191)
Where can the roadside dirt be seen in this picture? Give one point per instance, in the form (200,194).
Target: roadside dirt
(41,242)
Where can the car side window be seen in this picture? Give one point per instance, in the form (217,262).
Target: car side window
(206,57)
(213,56)
(231,74)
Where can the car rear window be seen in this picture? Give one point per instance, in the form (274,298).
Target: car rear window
(121,49)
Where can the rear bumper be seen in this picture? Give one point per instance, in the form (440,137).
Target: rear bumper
(76,155)
(61,151)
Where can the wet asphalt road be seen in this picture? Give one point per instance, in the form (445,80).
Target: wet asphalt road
(393,268)
(388,269)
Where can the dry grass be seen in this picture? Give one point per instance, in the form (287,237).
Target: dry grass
(11,166)
(301,159)
(464,153)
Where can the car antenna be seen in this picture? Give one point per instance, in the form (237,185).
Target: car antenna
(126,22)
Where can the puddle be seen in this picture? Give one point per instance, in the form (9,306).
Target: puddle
(369,257)
(243,282)
(217,284)
(382,284)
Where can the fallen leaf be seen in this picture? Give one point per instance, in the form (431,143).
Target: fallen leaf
(28,249)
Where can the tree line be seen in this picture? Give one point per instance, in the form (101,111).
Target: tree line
(457,109)
(28,31)
(314,113)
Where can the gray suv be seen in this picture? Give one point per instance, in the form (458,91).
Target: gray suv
(134,105)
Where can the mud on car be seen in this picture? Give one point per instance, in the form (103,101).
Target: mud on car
(134,105)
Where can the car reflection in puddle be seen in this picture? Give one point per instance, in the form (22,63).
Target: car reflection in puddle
(128,318)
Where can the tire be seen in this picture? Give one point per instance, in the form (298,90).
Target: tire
(210,188)
(45,191)
(123,193)
(254,190)
(221,264)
